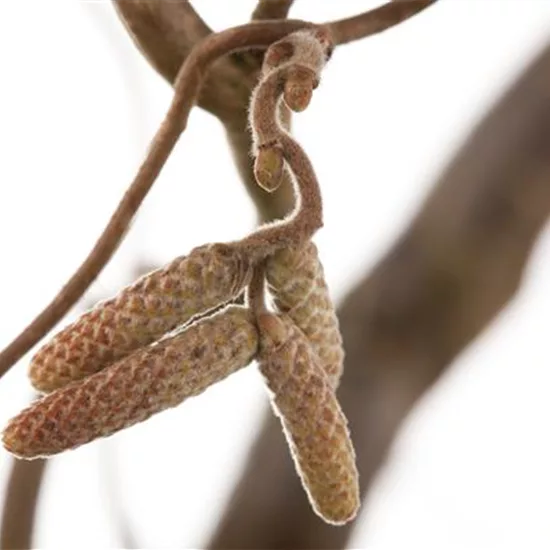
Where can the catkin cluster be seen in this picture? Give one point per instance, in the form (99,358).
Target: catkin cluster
(140,314)
(148,381)
(165,338)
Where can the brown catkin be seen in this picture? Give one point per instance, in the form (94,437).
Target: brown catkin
(144,383)
(296,280)
(142,313)
(314,425)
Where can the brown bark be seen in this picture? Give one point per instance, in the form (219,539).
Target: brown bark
(187,86)
(458,264)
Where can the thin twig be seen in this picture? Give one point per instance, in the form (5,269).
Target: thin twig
(225,92)
(272,9)
(303,222)
(291,71)
(187,86)
(375,21)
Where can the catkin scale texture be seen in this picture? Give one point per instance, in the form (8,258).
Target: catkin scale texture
(140,314)
(144,383)
(297,283)
(312,420)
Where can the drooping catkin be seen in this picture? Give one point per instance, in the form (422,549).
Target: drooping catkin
(312,420)
(144,383)
(296,280)
(142,313)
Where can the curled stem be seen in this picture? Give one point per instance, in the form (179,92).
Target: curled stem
(303,51)
(187,86)
(306,218)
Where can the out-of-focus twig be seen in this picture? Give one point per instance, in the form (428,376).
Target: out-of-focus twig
(20,503)
(375,21)
(164,31)
(458,264)
(272,9)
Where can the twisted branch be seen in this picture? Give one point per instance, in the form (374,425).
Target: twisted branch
(187,86)
(228,86)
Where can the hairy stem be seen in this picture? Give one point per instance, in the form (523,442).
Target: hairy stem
(187,86)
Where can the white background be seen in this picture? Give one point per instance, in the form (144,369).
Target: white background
(78,107)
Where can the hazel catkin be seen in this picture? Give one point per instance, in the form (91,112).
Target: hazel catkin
(313,423)
(296,280)
(146,382)
(154,305)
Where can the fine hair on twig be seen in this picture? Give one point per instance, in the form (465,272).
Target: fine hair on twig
(187,86)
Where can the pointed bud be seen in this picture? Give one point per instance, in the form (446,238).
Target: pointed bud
(299,86)
(268,167)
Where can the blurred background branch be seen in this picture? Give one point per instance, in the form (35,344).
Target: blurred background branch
(457,265)
(20,504)
(271,9)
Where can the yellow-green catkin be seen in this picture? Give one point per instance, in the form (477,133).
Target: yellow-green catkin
(314,425)
(142,313)
(130,391)
(296,280)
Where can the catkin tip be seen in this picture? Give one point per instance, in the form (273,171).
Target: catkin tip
(313,423)
(13,443)
(343,513)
